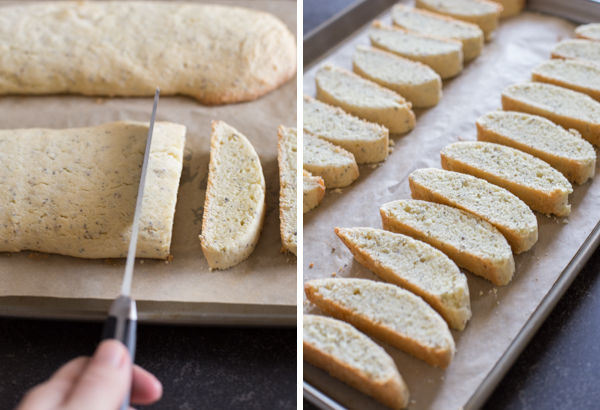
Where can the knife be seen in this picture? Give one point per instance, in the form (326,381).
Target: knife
(121,323)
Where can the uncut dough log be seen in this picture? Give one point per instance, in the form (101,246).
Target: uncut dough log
(216,54)
(73,191)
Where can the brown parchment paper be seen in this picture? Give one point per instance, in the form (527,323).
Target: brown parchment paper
(266,278)
(498,313)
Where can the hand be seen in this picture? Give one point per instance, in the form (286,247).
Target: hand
(96,383)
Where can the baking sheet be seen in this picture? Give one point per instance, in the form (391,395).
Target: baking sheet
(498,313)
(261,289)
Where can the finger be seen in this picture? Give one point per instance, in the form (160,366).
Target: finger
(53,392)
(104,381)
(145,388)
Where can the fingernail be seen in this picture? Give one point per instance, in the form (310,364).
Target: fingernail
(110,352)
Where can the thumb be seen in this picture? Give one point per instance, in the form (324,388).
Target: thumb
(105,380)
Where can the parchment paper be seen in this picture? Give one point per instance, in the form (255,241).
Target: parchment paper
(498,313)
(266,278)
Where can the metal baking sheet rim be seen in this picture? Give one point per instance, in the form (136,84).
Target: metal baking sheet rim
(156,312)
(544,309)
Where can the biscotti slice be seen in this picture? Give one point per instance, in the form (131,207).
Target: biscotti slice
(215,53)
(589,31)
(577,75)
(286,158)
(415,266)
(368,142)
(73,191)
(510,7)
(392,314)
(481,12)
(444,56)
(234,209)
(471,242)
(365,99)
(433,24)
(567,108)
(349,355)
(415,81)
(568,153)
(334,164)
(536,183)
(504,210)
(578,49)
(313,191)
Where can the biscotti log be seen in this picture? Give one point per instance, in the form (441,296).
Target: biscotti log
(415,266)
(73,191)
(216,54)
(387,312)
(443,55)
(567,108)
(286,158)
(368,142)
(352,357)
(414,81)
(504,210)
(566,151)
(577,75)
(481,12)
(471,242)
(312,192)
(234,209)
(433,24)
(366,100)
(536,183)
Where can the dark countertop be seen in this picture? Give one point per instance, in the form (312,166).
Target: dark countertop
(560,368)
(200,367)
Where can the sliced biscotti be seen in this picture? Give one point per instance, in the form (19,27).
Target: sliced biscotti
(387,312)
(536,183)
(415,266)
(334,164)
(565,151)
(234,209)
(433,24)
(415,81)
(365,99)
(578,75)
(444,56)
(567,108)
(589,31)
(504,210)
(510,7)
(481,12)
(349,355)
(471,242)
(312,192)
(368,142)
(578,49)
(286,158)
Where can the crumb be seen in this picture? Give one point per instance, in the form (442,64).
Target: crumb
(332,249)
(413,401)
(287,260)
(334,274)
(390,150)
(490,291)
(99,101)
(392,143)
(460,138)
(167,262)
(536,279)
(498,302)
(311,266)
(209,268)
(480,292)
(340,269)
(565,221)
(142,262)
(548,216)
(337,191)
(170,258)
(495,291)
(374,166)
(537,257)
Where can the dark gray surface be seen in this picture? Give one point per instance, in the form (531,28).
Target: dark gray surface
(200,367)
(560,368)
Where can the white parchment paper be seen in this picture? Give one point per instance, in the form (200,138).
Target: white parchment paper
(266,278)
(498,313)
